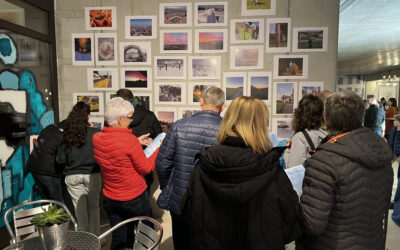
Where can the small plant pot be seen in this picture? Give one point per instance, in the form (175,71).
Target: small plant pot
(54,237)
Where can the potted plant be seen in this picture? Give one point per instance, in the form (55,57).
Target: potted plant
(52,225)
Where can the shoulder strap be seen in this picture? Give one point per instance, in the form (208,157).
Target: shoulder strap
(308,138)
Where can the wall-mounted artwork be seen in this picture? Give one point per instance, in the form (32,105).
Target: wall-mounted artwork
(204,67)
(187,112)
(314,88)
(211,14)
(234,85)
(278,35)
(106,48)
(310,39)
(110,95)
(141,27)
(291,67)
(166,116)
(170,67)
(259,85)
(247,30)
(175,14)
(211,41)
(102,78)
(285,98)
(282,127)
(246,57)
(101,18)
(176,41)
(143,99)
(95,101)
(171,93)
(258,7)
(82,49)
(28,51)
(97,121)
(196,89)
(135,53)
(136,78)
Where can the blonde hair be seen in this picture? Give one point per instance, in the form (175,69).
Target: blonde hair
(247,117)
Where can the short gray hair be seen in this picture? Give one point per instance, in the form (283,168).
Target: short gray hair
(214,96)
(116,108)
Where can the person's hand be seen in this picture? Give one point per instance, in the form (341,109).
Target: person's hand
(145,139)
(91,124)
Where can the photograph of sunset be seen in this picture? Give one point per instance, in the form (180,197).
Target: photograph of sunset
(211,40)
(136,78)
(175,41)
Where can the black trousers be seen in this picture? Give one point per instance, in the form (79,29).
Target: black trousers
(49,187)
(180,232)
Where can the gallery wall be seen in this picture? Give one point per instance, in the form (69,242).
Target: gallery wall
(320,69)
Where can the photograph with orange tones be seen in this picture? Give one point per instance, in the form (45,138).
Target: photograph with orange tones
(290,67)
(259,87)
(83,49)
(166,117)
(101,18)
(135,78)
(175,41)
(211,40)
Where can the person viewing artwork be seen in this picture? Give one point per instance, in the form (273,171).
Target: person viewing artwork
(82,173)
(348,182)
(374,116)
(390,112)
(238,196)
(123,165)
(394,142)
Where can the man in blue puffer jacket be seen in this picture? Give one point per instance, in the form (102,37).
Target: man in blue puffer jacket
(175,160)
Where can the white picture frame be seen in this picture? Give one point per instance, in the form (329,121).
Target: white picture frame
(101,24)
(183,14)
(206,15)
(313,36)
(262,85)
(284,131)
(166,116)
(255,30)
(138,27)
(271,36)
(246,57)
(137,78)
(78,57)
(310,87)
(102,78)
(284,98)
(94,99)
(182,112)
(257,10)
(98,121)
(234,85)
(167,93)
(290,67)
(137,98)
(176,65)
(194,96)
(209,41)
(171,40)
(106,48)
(109,96)
(204,67)
(135,53)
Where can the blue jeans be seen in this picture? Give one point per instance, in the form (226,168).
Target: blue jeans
(118,211)
(396,208)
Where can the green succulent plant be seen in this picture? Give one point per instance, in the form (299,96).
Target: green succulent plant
(50,217)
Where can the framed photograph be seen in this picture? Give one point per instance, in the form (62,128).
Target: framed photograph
(210,13)
(204,67)
(102,78)
(170,67)
(135,53)
(172,93)
(106,48)
(95,101)
(143,99)
(258,7)
(291,67)
(82,49)
(166,116)
(282,127)
(247,31)
(187,112)
(101,18)
(211,41)
(278,35)
(310,39)
(175,41)
(259,85)
(285,98)
(140,27)
(234,85)
(196,91)
(313,88)
(246,57)
(109,96)
(28,51)
(136,78)
(175,14)
(98,121)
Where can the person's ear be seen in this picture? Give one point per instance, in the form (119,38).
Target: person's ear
(201,101)
(222,108)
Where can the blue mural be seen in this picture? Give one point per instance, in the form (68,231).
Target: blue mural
(8,51)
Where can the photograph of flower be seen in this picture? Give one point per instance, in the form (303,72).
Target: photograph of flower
(291,67)
(106,45)
(246,57)
(247,31)
(284,98)
(170,67)
(314,88)
(135,53)
(278,35)
(82,49)
(101,18)
(176,41)
(166,116)
(204,67)
(211,41)
(311,39)
(97,121)
(282,127)
(259,85)
(196,90)
(234,85)
(211,14)
(172,93)
(175,14)
(141,27)
(136,78)
(187,112)
(258,7)
(102,78)
(95,101)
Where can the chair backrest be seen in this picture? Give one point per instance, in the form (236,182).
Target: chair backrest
(22,215)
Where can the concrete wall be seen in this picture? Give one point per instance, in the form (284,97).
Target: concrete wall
(305,13)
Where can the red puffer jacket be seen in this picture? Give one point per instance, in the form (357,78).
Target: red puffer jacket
(122,163)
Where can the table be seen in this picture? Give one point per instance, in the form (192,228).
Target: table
(77,240)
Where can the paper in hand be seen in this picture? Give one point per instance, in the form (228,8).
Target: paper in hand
(154,145)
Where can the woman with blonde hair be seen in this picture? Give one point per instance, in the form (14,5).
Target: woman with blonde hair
(238,196)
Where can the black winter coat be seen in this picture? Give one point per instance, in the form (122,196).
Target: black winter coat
(143,122)
(346,192)
(237,199)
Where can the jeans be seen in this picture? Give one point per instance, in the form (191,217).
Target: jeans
(396,207)
(84,190)
(49,187)
(119,211)
(180,232)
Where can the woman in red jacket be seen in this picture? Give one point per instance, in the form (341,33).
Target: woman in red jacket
(390,113)
(123,165)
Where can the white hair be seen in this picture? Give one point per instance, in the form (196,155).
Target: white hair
(116,108)
(373,101)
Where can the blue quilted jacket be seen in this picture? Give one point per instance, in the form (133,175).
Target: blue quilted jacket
(394,141)
(175,160)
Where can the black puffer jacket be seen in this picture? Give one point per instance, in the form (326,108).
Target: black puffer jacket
(143,122)
(237,199)
(346,191)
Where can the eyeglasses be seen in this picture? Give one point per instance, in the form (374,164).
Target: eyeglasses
(129,117)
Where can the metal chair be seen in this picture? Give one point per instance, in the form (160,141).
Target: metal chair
(22,218)
(146,238)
